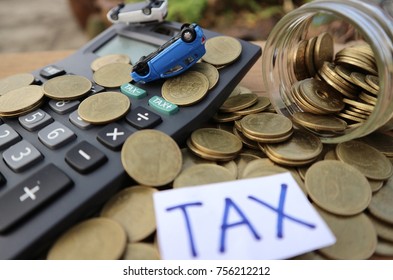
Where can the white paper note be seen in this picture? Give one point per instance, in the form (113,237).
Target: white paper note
(259,218)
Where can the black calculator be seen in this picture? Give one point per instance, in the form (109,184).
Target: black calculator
(46,186)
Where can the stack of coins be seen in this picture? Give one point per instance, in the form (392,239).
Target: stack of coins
(21,101)
(346,86)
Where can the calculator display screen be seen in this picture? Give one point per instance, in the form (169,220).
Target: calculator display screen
(122,45)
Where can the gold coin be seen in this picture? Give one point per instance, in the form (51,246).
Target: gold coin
(108,59)
(381,203)
(240,90)
(266,125)
(186,89)
(330,155)
(261,168)
(246,141)
(231,166)
(215,141)
(151,158)
(309,56)
(383,142)
(238,102)
(141,251)
(20,100)
(373,81)
(286,163)
(355,114)
(242,160)
(360,65)
(261,139)
(300,68)
(350,117)
(208,156)
(384,230)
(226,117)
(344,73)
(189,159)
(318,94)
(202,174)
(67,87)
(319,122)
(330,70)
(359,105)
(324,50)
(222,50)
(261,104)
(113,75)
(368,160)
(368,98)
(209,71)
(94,239)
(15,81)
(384,248)
(334,83)
(360,80)
(338,187)
(133,209)
(302,146)
(104,107)
(356,238)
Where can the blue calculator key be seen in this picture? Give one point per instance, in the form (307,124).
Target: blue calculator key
(63,107)
(30,194)
(8,136)
(133,91)
(51,71)
(160,105)
(56,135)
(21,156)
(142,118)
(35,120)
(85,158)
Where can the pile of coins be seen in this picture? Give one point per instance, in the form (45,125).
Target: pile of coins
(343,86)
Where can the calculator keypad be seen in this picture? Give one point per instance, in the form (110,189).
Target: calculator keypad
(63,107)
(76,120)
(142,118)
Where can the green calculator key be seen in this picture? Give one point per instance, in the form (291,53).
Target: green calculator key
(162,106)
(133,91)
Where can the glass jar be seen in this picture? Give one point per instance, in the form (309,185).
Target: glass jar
(368,21)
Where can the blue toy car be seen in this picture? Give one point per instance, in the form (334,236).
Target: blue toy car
(172,58)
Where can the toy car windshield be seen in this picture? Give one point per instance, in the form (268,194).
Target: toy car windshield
(172,58)
(139,13)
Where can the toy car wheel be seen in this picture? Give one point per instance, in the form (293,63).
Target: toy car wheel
(146,11)
(142,68)
(188,35)
(184,26)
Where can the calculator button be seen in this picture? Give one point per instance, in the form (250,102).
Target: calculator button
(84,157)
(142,118)
(113,136)
(35,120)
(78,122)
(21,156)
(8,136)
(51,71)
(97,88)
(33,192)
(56,135)
(63,107)
(160,105)
(132,91)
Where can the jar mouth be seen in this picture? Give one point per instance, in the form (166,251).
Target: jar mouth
(348,25)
